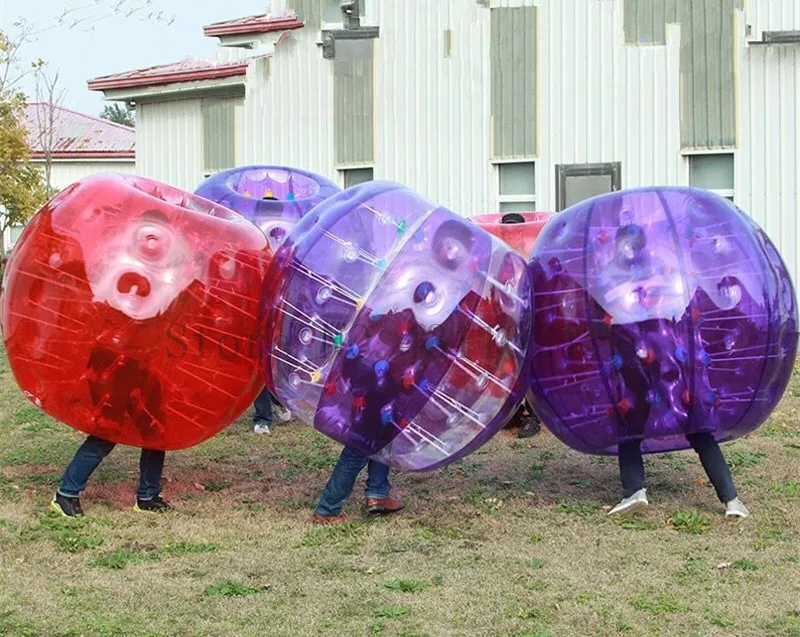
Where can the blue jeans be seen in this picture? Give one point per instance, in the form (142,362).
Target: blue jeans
(340,484)
(89,456)
(263,407)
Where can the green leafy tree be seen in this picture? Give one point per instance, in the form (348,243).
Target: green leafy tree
(22,187)
(125,115)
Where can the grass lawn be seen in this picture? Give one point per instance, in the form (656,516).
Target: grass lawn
(510,542)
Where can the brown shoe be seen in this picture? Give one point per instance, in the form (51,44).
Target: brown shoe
(329,519)
(383,505)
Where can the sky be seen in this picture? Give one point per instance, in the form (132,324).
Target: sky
(104,42)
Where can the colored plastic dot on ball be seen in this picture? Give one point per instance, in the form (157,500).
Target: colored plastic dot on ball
(381,368)
(423,292)
(714,296)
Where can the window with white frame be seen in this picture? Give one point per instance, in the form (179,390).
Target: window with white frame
(332,11)
(354,176)
(713,172)
(516,187)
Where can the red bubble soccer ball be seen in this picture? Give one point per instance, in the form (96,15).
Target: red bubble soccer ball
(129,311)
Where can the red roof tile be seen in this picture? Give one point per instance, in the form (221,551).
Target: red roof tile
(187,70)
(253,24)
(77,135)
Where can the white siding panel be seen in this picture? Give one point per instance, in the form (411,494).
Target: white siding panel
(602,101)
(288,112)
(64,173)
(772,15)
(768,163)
(169,142)
(433,112)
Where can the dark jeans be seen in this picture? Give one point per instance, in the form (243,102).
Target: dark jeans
(89,456)
(340,484)
(631,466)
(263,407)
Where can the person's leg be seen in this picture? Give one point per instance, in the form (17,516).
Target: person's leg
(631,467)
(262,419)
(87,458)
(714,464)
(377,491)
(531,423)
(148,495)
(151,466)
(283,414)
(340,484)
(631,473)
(378,485)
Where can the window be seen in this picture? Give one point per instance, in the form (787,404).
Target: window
(578,182)
(713,172)
(219,133)
(517,187)
(332,11)
(354,176)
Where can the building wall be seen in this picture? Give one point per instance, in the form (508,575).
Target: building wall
(288,113)
(607,90)
(768,158)
(169,142)
(64,173)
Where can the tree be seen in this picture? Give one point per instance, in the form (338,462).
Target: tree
(120,115)
(48,111)
(22,187)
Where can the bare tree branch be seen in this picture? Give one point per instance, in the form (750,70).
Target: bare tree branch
(48,111)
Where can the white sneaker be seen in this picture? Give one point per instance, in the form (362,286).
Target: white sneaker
(261,428)
(637,500)
(283,414)
(736,509)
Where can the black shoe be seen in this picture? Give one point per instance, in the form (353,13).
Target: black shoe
(68,507)
(531,427)
(156,505)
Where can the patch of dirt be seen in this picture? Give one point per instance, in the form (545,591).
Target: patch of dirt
(24,470)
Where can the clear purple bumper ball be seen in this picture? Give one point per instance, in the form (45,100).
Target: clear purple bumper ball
(398,328)
(274,198)
(658,312)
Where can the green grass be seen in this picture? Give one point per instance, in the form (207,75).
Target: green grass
(232,589)
(405,586)
(513,541)
(741,460)
(789,489)
(692,522)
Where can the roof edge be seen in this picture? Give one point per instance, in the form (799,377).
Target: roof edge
(173,77)
(255,28)
(92,154)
